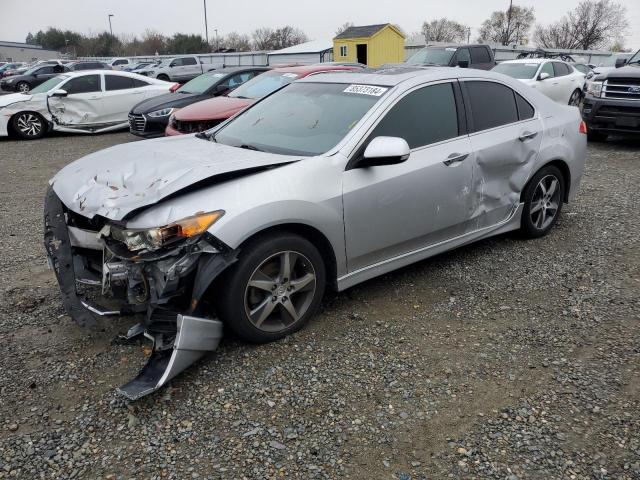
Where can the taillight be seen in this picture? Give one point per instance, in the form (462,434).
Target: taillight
(583,128)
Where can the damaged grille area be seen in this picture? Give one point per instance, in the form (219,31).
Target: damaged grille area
(194,127)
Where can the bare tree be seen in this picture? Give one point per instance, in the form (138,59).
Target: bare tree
(510,26)
(444,30)
(592,24)
(239,42)
(287,36)
(343,27)
(261,38)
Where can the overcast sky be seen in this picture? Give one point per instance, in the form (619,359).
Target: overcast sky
(319,19)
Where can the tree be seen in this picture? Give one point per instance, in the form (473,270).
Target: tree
(31,40)
(510,26)
(262,38)
(345,26)
(593,24)
(235,41)
(182,43)
(287,36)
(153,42)
(444,30)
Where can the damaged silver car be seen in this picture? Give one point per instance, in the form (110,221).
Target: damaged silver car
(334,180)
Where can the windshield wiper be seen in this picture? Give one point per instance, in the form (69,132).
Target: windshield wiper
(250,147)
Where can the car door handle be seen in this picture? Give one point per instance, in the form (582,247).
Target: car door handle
(527,136)
(455,158)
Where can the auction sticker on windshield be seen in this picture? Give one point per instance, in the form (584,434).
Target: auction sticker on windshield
(365,90)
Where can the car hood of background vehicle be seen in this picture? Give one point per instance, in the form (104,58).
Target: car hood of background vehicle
(166,100)
(212,109)
(118,180)
(632,71)
(6,100)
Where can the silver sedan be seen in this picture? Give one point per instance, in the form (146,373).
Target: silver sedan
(329,182)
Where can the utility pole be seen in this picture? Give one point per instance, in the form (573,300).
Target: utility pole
(505,39)
(468,34)
(110,29)
(206,26)
(217,46)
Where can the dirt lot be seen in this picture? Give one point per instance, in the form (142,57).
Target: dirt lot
(505,359)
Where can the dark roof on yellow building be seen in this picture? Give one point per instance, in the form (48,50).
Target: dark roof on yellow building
(360,32)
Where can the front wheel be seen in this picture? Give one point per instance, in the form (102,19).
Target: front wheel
(543,197)
(273,289)
(29,125)
(575,98)
(23,87)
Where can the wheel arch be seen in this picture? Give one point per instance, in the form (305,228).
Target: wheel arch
(566,174)
(313,235)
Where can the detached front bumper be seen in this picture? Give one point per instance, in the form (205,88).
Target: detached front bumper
(166,290)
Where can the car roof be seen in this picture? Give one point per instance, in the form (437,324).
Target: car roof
(534,60)
(80,73)
(304,70)
(237,69)
(395,75)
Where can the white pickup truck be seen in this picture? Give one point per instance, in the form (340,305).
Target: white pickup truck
(177,69)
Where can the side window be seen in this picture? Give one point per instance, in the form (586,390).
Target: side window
(176,63)
(525,110)
(560,69)
(116,82)
(239,79)
(120,62)
(86,84)
(139,83)
(189,61)
(463,54)
(548,68)
(45,70)
(422,117)
(480,55)
(492,105)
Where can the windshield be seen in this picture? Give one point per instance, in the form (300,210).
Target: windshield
(263,85)
(49,84)
(432,56)
(302,119)
(635,58)
(517,70)
(611,61)
(201,84)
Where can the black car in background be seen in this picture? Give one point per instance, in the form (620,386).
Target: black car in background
(466,56)
(32,78)
(88,65)
(150,117)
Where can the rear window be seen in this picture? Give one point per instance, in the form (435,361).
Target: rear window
(492,105)
(116,82)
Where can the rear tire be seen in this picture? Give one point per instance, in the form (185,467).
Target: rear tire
(164,77)
(543,197)
(29,125)
(273,289)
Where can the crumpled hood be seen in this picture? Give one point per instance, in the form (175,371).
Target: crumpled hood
(115,181)
(6,100)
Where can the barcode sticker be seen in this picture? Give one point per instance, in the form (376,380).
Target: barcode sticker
(366,90)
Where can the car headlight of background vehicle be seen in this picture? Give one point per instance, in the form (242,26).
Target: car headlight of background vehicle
(162,112)
(594,88)
(155,238)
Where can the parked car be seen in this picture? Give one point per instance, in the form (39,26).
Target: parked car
(465,56)
(558,80)
(120,63)
(327,183)
(89,101)
(9,66)
(88,65)
(31,78)
(150,117)
(209,113)
(612,104)
(177,69)
(137,66)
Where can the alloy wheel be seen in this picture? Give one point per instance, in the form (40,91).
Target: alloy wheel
(29,124)
(545,202)
(23,87)
(280,291)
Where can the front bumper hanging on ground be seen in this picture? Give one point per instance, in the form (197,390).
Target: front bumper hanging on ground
(179,338)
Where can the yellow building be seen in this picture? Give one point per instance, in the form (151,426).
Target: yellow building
(372,45)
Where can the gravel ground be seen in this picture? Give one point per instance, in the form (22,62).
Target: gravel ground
(505,359)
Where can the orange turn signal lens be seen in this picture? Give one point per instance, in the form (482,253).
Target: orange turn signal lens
(190,227)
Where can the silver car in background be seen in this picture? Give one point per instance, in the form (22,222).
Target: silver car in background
(329,182)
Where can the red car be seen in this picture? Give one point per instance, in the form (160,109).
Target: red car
(209,113)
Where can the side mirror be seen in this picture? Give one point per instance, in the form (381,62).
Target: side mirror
(621,62)
(58,93)
(543,76)
(222,88)
(173,64)
(175,87)
(590,75)
(463,63)
(385,151)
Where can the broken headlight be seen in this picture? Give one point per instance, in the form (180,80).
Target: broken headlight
(155,238)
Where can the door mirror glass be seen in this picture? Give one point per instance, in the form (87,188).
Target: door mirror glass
(58,93)
(543,76)
(621,62)
(222,88)
(385,151)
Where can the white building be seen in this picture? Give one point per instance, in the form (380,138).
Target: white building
(307,53)
(23,52)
